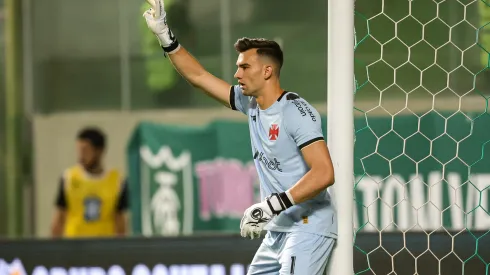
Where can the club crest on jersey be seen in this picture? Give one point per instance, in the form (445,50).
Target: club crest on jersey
(273,132)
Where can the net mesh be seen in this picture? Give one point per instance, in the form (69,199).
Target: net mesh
(422,129)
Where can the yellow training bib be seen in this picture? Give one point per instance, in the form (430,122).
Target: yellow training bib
(91,203)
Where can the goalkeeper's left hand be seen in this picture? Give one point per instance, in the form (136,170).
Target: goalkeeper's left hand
(260,214)
(156,19)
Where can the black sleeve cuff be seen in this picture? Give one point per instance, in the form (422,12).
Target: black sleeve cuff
(123,203)
(303,145)
(60,197)
(232,98)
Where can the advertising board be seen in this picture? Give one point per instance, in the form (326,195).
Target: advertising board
(445,253)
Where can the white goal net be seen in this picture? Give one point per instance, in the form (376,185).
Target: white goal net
(422,134)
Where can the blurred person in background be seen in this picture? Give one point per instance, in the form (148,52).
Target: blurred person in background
(92,200)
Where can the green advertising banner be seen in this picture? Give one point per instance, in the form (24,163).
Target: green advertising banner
(411,173)
(185,180)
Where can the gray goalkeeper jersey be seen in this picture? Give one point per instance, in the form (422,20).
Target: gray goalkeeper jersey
(277,135)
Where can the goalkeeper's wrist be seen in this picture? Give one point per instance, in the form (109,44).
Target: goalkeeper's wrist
(280,202)
(172,48)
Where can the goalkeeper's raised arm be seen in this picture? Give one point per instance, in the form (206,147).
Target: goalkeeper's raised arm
(182,60)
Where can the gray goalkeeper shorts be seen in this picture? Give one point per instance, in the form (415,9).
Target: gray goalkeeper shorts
(297,253)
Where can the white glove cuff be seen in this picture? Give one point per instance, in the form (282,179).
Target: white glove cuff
(169,43)
(279,202)
(275,204)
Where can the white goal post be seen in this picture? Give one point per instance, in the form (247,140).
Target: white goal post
(340,127)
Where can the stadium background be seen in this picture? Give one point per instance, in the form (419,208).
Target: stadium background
(95,63)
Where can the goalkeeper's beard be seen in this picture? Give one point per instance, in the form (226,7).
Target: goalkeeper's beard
(249,92)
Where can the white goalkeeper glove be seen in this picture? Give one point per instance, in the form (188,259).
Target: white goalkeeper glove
(156,19)
(260,214)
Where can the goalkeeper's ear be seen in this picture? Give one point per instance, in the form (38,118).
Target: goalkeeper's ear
(268,71)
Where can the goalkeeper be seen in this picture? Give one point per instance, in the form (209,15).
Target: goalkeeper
(291,157)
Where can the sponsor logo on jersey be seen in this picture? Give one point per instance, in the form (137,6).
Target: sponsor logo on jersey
(273,164)
(273,132)
(300,108)
(304,109)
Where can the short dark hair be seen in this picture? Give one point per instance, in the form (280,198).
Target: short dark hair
(94,136)
(264,47)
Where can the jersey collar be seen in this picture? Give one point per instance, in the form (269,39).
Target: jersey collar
(282,95)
